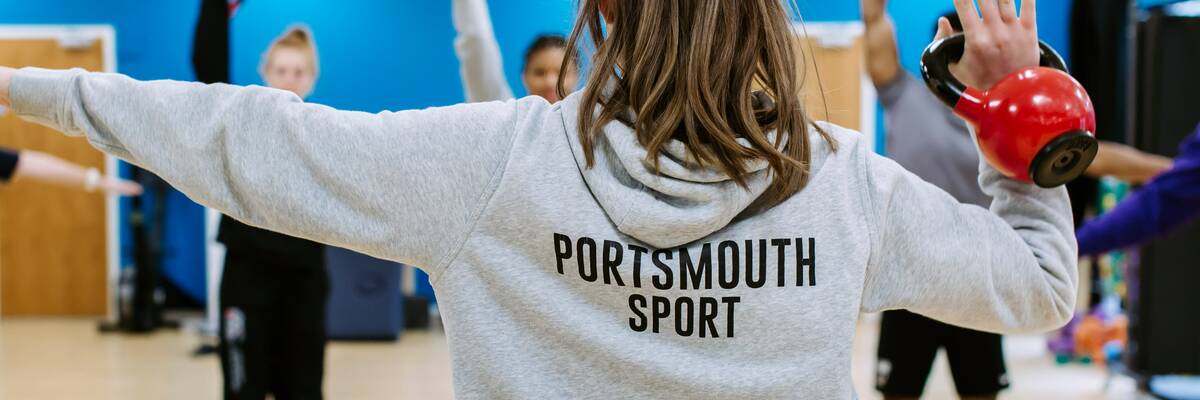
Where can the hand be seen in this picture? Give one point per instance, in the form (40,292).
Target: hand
(998,44)
(6,75)
(119,186)
(873,10)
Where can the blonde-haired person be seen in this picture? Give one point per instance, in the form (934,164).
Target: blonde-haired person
(667,233)
(38,166)
(291,63)
(482,67)
(274,287)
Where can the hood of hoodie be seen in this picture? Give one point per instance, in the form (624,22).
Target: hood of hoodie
(681,203)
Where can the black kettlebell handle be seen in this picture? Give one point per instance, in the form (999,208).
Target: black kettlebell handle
(935,66)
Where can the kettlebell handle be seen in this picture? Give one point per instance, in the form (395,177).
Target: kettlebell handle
(935,67)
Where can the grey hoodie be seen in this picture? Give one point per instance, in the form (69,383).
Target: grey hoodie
(560,281)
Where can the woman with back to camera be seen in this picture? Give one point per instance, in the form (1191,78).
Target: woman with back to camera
(483,68)
(679,229)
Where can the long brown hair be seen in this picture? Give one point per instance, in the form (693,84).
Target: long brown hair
(688,70)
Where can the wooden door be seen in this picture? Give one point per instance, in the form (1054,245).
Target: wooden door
(53,254)
(833,81)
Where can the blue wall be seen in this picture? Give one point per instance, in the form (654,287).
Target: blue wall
(398,55)
(836,10)
(377,55)
(148,32)
(915,24)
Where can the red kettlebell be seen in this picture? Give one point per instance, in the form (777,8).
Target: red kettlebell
(1035,125)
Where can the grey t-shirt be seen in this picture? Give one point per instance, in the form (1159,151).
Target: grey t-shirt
(925,137)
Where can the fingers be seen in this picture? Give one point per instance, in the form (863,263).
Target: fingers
(989,11)
(966,13)
(1008,11)
(943,29)
(121,187)
(1029,14)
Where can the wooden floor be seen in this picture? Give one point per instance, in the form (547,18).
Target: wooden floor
(68,359)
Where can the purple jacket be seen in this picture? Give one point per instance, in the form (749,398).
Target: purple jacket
(1168,201)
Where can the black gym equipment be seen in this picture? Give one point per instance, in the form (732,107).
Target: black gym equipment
(1165,327)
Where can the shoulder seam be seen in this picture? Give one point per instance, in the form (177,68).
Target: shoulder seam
(484,202)
(869,209)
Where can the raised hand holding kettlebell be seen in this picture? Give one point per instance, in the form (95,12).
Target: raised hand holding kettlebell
(998,41)
(1033,124)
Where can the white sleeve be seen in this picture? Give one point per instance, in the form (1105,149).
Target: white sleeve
(479,53)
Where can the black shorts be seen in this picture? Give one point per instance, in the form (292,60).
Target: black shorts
(908,344)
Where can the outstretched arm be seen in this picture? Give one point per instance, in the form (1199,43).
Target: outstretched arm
(1127,163)
(404,186)
(1011,269)
(43,167)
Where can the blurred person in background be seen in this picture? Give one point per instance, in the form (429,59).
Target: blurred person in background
(483,68)
(275,287)
(927,138)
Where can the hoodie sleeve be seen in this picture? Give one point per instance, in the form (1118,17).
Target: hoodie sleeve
(405,186)
(482,67)
(1008,270)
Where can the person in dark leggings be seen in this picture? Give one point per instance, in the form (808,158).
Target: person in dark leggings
(274,287)
(35,165)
